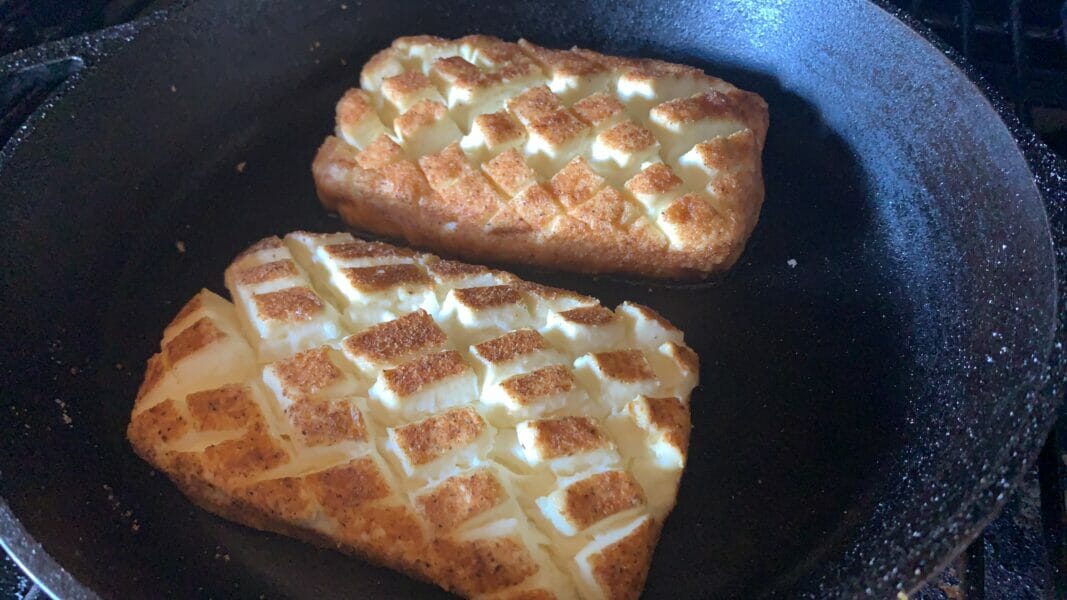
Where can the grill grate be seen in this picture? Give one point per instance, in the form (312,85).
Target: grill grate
(1019,47)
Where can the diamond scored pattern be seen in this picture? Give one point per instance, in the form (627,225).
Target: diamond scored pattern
(505,117)
(495,436)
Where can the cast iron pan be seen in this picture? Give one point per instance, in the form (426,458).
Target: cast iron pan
(862,415)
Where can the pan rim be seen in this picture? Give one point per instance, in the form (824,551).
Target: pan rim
(1037,156)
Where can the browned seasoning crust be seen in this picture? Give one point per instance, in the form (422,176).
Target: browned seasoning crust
(621,568)
(511,345)
(202,333)
(460,498)
(624,365)
(411,377)
(497,210)
(306,373)
(530,387)
(278,269)
(479,298)
(326,422)
(292,304)
(392,341)
(592,499)
(589,315)
(428,439)
(565,436)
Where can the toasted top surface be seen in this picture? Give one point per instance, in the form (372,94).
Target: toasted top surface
(293,304)
(511,345)
(442,418)
(565,436)
(487,297)
(589,315)
(463,113)
(410,377)
(398,338)
(426,440)
(624,365)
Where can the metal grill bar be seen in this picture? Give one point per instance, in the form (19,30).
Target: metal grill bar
(967,27)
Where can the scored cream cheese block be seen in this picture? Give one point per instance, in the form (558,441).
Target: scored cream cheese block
(563,158)
(500,438)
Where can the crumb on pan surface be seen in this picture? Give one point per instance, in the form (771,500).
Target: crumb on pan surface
(570,159)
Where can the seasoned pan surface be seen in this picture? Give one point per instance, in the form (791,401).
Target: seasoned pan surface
(871,366)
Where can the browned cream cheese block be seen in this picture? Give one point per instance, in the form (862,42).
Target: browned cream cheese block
(497,437)
(571,159)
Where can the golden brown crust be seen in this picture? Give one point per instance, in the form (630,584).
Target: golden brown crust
(428,439)
(483,565)
(566,436)
(510,172)
(565,62)
(534,104)
(278,269)
(567,226)
(286,499)
(159,425)
(624,365)
(327,422)
(460,498)
(511,345)
(530,387)
(655,179)
(292,304)
(667,417)
(554,293)
(684,356)
(499,128)
(254,452)
(451,269)
(575,183)
(361,249)
(346,487)
(398,339)
(622,567)
(652,315)
(387,534)
(404,84)
(595,498)
(628,137)
(411,377)
(155,369)
(306,373)
(598,108)
(223,409)
(381,152)
(423,114)
(386,277)
(589,315)
(445,167)
(478,298)
(191,339)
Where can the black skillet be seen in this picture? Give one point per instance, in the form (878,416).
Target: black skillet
(864,410)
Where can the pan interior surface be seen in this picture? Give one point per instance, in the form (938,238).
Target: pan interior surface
(868,367)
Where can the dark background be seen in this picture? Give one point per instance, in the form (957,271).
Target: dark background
(1019,48)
